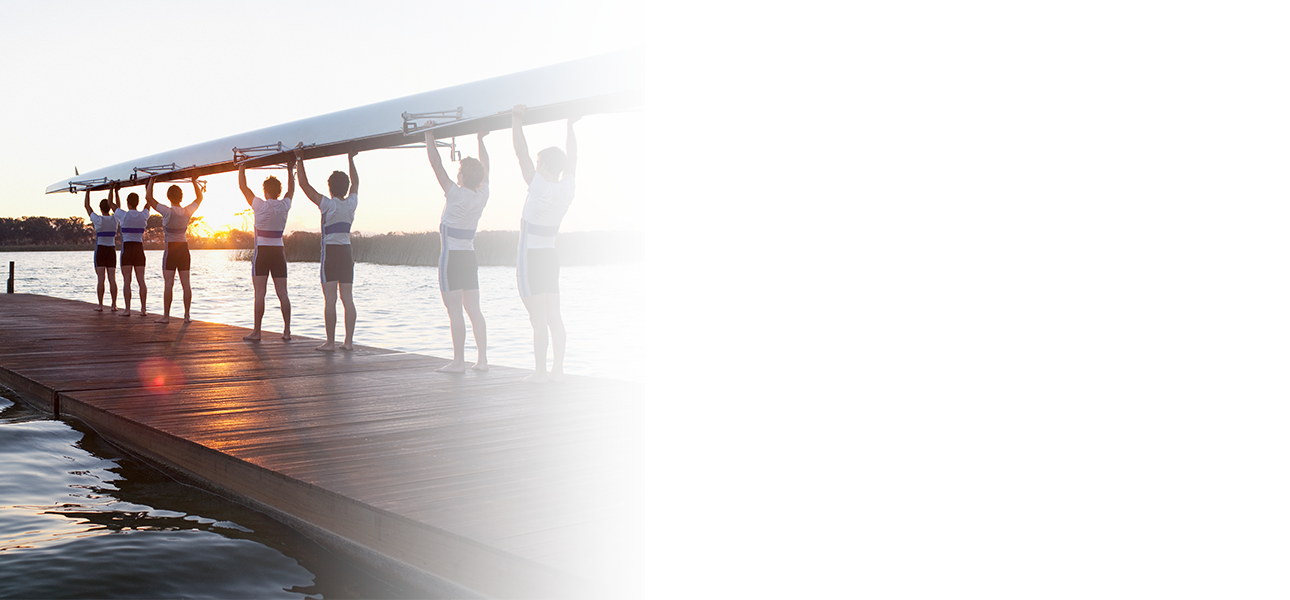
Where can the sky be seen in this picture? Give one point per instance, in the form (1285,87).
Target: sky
(100,85)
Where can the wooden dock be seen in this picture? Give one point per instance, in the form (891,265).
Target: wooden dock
(460,484)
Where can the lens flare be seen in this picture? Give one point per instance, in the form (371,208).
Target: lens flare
(159,375)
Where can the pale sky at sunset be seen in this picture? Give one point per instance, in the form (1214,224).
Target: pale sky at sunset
(100,84)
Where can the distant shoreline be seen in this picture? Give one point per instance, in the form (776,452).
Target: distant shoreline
(90,247)
(492,248)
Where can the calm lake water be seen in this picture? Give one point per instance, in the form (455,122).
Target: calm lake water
(80,519)
(398,307)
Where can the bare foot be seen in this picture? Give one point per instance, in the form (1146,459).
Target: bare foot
(113,309)
(162,320)
(556,376)
(126,313)
(328,347)
(452,367)
(286,334)
(254,336)
(99,309)
(143,312)
(347,346)
(535,378)
(480,366)
(188,319)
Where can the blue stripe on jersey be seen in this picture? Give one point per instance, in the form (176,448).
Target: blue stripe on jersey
(460,234)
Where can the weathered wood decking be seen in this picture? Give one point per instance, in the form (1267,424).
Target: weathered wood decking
(470,483)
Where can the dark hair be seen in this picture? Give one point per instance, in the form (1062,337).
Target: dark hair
(472,172)
(105,205)
(175,194)
(132,200)
(338,184)
(272,187)
(554,158)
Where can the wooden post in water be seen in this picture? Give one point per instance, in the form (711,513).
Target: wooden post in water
(10,277)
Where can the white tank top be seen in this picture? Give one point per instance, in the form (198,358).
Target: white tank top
(133,224)
(337,218)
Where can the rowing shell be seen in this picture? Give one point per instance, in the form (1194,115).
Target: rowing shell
(598,84)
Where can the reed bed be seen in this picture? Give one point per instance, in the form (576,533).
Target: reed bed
(492,248)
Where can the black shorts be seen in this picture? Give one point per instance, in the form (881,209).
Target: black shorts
(338,263)
(105,256)
(269,260)
(544,271)
(176,257)
(132,255)
(463,270)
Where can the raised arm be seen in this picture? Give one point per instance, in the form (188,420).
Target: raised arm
(197,191)
(353,174)
(241,184)
(483,152)
(291,180)
(309,190)
(521,145)
(436,162)
(116,196)
(571,150)
(148,200)
(88,210)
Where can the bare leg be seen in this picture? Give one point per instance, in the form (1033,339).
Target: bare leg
(556,323)
(111,276)
(261,283)
(329,315)
(167,296)
(101,272)
(280,286)
(126,273)
(188,296)
(457,324)
(536,305)
(471,300)
(143,291)
(351,314)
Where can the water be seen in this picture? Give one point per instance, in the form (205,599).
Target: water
(79,518)
(398,307)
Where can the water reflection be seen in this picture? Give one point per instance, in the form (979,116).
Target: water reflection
(81,519)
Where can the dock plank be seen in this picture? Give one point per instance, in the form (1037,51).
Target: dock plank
(477,481)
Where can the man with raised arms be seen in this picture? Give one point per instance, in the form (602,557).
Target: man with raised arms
(537,264)
(269,257)
(337,260)
(104,246)
(133,223)
(458,268)
(176,258)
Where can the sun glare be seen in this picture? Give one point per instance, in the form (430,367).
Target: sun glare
(222,203)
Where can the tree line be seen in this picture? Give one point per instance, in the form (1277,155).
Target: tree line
(45,231)
(422,248)
(77,231)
